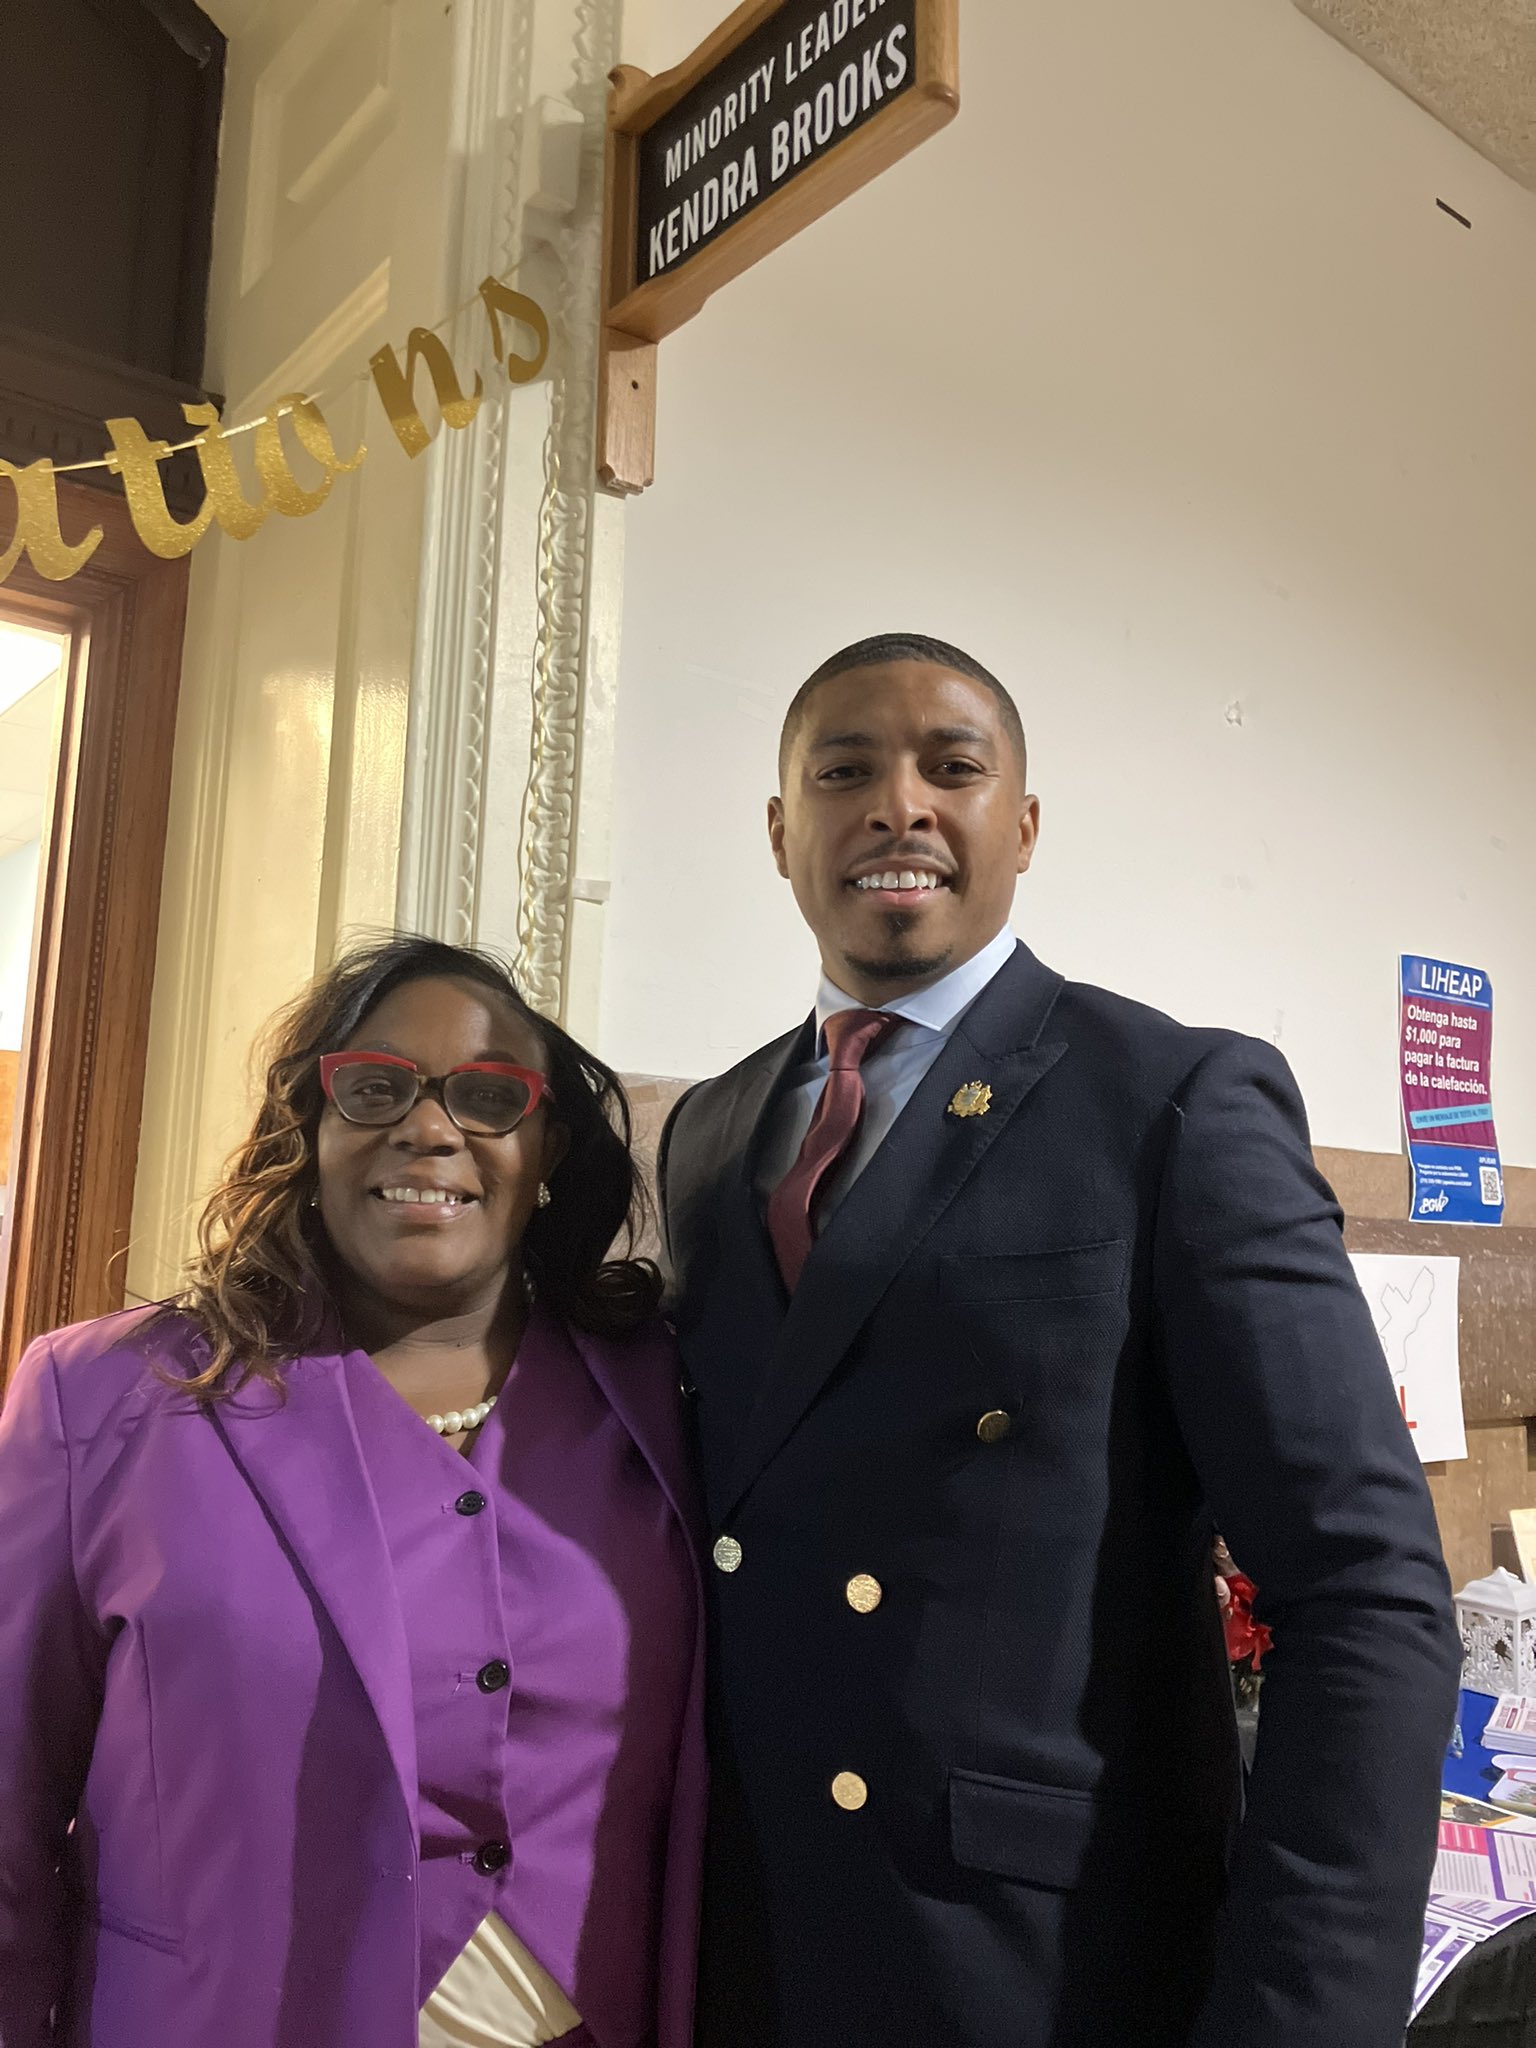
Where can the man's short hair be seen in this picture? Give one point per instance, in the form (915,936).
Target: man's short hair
(881,649)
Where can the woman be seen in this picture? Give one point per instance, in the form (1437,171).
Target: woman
(350,1647)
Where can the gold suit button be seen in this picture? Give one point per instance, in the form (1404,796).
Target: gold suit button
(864,1594)
(850,1791)
(727,1553)
(994,1426)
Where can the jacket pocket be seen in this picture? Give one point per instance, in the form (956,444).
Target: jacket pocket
(1073,1271)
(113,1922)
(1037,1834)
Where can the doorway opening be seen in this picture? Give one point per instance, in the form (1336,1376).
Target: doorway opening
(33,666)
(94,663)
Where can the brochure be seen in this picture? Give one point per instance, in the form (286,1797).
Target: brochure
(1512,1724)
(1485,1880)
(1453,1927)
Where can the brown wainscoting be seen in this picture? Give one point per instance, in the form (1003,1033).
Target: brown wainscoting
(81,1087)
(651,1097)
(1497,1297)
(1498,1321)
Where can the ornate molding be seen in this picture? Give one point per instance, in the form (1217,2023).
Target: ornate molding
(489,651)
(66,1249)
(546,853)
(55,401)
(456,627)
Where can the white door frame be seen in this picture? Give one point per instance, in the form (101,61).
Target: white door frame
(508,782)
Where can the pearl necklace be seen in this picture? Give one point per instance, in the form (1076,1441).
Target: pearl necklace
(458,1419)
(465,1419)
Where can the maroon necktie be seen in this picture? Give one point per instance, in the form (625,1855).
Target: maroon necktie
(850,1034)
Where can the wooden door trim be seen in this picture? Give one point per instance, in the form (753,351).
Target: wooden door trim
(80,1095)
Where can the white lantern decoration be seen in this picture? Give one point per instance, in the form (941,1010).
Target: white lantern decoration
(1497,1620)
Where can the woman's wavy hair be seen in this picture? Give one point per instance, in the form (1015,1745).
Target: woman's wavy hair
(257,1287)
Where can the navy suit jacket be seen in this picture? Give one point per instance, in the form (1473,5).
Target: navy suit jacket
(1131,1257)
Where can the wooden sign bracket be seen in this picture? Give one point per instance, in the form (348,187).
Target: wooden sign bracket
(626,372)
(784,111)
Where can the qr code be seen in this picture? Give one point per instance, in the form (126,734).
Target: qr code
(1492,1185)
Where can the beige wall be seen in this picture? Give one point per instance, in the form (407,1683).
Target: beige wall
(399,710)
(290,745)
(1160,382)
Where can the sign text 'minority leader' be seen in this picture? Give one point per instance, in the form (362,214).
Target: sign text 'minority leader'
(809,76)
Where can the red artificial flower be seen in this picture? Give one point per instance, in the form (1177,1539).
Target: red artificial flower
(1245,1636)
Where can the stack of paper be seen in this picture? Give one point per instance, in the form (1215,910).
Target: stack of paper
(1453,1929)
(1512,1725)
(1515,1793)
(1485,1880)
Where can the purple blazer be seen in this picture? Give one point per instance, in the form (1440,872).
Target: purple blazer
(177,1869)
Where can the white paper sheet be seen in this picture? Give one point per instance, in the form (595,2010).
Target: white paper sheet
(1413,1303)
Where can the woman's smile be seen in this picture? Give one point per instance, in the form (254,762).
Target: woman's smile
(418,1207)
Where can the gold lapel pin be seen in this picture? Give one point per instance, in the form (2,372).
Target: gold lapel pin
(974,1099)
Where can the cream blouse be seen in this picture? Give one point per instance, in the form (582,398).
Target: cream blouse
(496,1995)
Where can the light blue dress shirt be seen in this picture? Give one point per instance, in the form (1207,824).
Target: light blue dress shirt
(891,1072)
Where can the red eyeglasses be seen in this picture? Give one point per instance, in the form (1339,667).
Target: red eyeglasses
(486,1099)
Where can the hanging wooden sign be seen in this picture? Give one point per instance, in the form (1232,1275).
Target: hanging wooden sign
(788,108)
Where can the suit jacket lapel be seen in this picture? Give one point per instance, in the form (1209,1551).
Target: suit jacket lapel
(745,1134)
(926,1159)
(303,1458)
(760,1090)
(646,1403)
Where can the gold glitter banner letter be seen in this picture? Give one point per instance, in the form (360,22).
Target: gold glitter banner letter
(136,458)
(396,389)
(37,526)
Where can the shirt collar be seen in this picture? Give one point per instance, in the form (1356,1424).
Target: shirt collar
(938,1007)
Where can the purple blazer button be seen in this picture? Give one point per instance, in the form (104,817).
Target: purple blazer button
(491,1857)
(493,1676)
(470,1503)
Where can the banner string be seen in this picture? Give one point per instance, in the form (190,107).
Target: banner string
(281,412)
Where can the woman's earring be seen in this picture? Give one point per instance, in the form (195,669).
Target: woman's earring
(314,1200)
(545,1197)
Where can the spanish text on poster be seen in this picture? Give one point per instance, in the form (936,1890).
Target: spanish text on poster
(1445,1064)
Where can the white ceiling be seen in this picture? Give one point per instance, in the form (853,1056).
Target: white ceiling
(26,747)
(1472,63)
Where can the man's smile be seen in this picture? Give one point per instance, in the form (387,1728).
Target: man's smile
(899,884)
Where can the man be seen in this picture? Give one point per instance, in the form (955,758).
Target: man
(999,1294)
